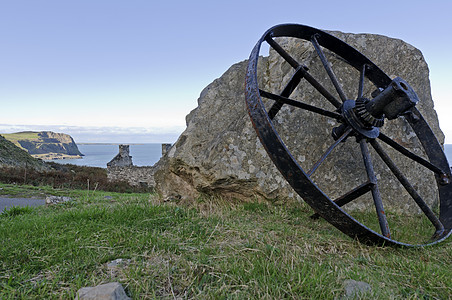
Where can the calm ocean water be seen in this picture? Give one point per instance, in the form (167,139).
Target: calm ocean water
(142,154)
(448,152)
(99,155)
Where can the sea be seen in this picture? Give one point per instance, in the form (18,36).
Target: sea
(448,152)
(98,155)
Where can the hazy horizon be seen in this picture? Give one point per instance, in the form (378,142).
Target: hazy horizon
(104,134)
(130,71)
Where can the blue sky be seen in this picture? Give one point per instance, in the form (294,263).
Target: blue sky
(130,71)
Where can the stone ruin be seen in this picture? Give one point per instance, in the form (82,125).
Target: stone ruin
(122,159)
(219,153)
(121,168)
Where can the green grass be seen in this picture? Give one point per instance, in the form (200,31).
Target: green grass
(16,211)
(26,135)
(207,250)
(28,191)
(16,157)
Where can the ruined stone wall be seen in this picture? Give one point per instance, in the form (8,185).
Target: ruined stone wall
(121,168)
(122,159)
(136,176)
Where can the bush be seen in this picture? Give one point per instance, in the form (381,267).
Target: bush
(68,176)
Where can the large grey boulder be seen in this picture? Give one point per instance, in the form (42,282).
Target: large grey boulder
(219,152)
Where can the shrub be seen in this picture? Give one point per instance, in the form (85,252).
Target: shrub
(68,176)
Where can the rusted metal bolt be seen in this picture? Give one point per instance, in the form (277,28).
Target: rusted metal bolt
(444,179)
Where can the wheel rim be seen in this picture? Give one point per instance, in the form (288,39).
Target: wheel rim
(300,180)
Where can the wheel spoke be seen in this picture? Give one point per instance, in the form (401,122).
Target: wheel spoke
(374,189)
(328,151)
(328,68)
(322,90)
(302,105)
(361,81)
(411,155)
(350,196)
(287,91)
(282,52)
(409,188)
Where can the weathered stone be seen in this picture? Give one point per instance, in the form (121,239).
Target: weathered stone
(119,262)
(122,159)
(165,148)
(121,168)
(50,200)
(219,152)
(108,291)
(134,175)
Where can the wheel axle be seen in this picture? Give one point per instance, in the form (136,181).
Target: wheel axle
(393,101)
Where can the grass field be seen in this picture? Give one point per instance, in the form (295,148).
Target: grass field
(206,250)
(26,135)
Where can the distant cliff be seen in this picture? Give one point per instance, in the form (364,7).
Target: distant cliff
(45,144)
(12,156)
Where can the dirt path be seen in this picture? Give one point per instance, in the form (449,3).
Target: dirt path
(8,202)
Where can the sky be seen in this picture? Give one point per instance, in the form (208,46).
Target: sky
(130,71)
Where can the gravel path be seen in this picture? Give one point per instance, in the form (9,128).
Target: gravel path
(8,202)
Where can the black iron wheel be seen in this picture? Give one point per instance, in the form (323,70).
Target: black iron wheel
(358,121)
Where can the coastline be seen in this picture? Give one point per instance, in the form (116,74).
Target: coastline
(116,144)
(55,156)
(99,154)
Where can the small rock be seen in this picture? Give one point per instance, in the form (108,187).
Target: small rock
(108,197)
(120,262)
(108,291)
(56,199)
(116,266)
(354,289)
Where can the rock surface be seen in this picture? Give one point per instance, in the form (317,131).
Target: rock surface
(108,291)
(134,175)
(121,168)
(51,200)
(122,159)
(219,152)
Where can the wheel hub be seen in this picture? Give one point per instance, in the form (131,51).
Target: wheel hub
(357,122)
(366,117)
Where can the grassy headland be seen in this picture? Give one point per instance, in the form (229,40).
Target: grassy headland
(13,156)
(18,167)
(204,250)
(16,137)
(45,144)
